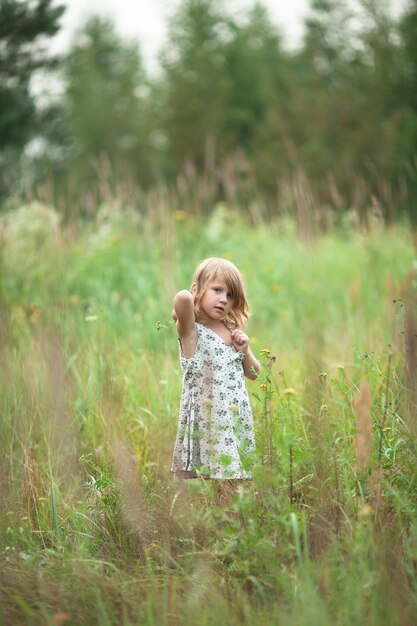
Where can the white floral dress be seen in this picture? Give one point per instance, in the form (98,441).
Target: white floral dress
(215,436)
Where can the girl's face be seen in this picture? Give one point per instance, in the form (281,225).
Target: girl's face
(217,300)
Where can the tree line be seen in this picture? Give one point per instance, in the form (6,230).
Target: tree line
(230,105)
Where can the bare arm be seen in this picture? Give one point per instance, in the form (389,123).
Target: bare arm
(183,314)
(251,365)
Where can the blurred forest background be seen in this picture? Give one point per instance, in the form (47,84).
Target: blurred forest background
(232,115)
(299,165)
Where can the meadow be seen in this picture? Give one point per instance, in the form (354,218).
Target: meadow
(93,530)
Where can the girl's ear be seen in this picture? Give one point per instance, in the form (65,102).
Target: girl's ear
(194,289)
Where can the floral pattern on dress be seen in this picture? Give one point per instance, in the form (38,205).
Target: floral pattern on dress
(215,435)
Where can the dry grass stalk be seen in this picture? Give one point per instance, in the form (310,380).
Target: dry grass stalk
(355,290)
(363,440)
(49,389)
(297,196)
(136,512)
(406,284)
(33,488)
(376,489)
(411,359)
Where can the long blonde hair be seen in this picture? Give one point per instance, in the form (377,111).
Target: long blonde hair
(206,272)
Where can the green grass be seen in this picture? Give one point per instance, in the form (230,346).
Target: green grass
(93,529)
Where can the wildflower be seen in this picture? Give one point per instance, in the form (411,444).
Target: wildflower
(263,385)
(289,391)
(207,402)
(265,352)
(180,216)
(365,511)
(234,407)
(35,312)
(114,239)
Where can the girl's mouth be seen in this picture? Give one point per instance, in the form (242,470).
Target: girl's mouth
(219,308)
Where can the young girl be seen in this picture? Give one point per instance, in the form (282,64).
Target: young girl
(215,436)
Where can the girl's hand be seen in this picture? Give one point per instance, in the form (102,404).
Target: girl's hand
(239,340)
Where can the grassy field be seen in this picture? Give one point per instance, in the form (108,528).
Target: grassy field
(94,530)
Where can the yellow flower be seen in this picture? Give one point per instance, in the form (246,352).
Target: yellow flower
(365,511)
(233,407)
(289,391)
(35,312)
(180,215)
(265,352)
(208,402)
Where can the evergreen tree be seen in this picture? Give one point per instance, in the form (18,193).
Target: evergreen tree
(256,72)
(106,111)
(24,25)
(408,91)
(195,82)
(408,31)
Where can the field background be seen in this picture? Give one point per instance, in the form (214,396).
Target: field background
(298,163)
(94,530)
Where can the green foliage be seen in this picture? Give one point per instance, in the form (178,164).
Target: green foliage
(24,29)
(232,114)
(106,113)
(22,25)
(89,398)
(195,84)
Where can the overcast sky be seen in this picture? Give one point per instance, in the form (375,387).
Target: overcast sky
(145,20)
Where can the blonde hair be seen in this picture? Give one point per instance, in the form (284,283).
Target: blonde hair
(207,271)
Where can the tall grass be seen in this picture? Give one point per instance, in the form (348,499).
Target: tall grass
(94,530)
